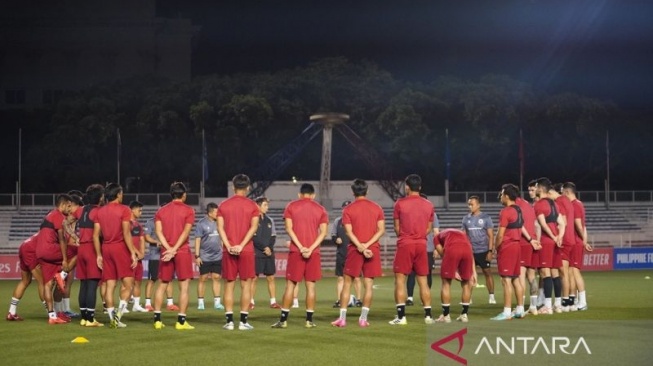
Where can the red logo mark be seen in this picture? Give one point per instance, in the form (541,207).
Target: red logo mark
(459,335)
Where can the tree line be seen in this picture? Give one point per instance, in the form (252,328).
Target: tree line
(247,117)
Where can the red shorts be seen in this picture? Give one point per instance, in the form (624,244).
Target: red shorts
(49,253)
(546,253)
(49,270)
(535,259)
(526,255)
(27,259)
(565,251)
(138,271)
(300,268)
(116,262)
(459,259)
(411,257)
(557,257)
(576,257)
(71,251)
(234,266)
(508,260)
(181,265)
(355,263)
(87,268)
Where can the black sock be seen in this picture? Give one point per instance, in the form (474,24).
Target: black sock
(157,316)
(465,309)
(548,286)
(445,310)
(427,311)
(572,300)
(565,301)
(90,315)
(243,317)
(284,315)
(309,316)
(181,319)
(230,317)
(557,286)
(401,311)
(83,311)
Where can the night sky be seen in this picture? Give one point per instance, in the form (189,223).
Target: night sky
(599,48)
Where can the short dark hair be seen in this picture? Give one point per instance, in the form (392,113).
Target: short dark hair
(94,194)
(569,185)
(76,199)
(211,206)
(359,188)
(557,187)
(414,182)
(307,188)
(241,181)
(544,183)
(111,191)
(532,183)
(177,190)
(510,190)
(62,198)
(474,197)
(260,199)
(135,204)
(74,192)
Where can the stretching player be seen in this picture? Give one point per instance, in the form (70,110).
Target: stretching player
(569,190)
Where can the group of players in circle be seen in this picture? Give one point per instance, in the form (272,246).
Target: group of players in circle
(102,241)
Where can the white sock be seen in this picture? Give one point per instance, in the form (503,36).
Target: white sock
(148,301)
(66,304)
(352,299)
(547,302)
(295,302)
(491,296)
(533,301)
(558,301)
(13,305)
(581,298)
(64,274)
(122,305)
(519,309)
(137,301)
(506,310)
(170,302)
(273,301)
(343,314)
(410,298)
(111,312)
(252,302)
(540,296)
(364,312)
(216,300)
(52,315)
(57,307)
(200,301)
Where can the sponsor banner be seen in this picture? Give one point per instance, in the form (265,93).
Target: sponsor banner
(633,258)
(281,261)
(9,267)
(600,259)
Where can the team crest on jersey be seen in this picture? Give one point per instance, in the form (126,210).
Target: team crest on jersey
(480,221)
(269,226)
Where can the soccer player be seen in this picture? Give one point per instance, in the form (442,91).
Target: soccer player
(138,239)
(528,246)
(153,259)
(51,252)
(71,238)
(576,259)
(365,225)
(568,242)
(238,218)
(29,269)
(208,255)
(431,254)
(264,239)
(172,224)
(455,249)
(340,238)
(306,224)
(480,230)
(546,212)
(118,258)
(87,271)
(507,243)
(413,221)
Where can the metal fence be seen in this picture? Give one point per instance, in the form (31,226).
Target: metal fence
(48,199)
(585,196)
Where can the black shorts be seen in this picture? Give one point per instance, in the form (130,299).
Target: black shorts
(152,270)
(266,265)
(340,265)
(481,260)
(211,267)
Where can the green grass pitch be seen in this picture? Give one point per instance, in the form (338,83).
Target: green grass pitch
(617,329)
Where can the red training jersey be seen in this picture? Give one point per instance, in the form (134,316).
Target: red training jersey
(110,217)
(528,213)
(52,223)
(543,207)
(414,214)
(452,238)
(508,217)
(307,216)
(579,212)
(567,209)
(173,217)
(363,215)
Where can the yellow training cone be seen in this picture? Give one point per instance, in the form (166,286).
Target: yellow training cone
(79,340)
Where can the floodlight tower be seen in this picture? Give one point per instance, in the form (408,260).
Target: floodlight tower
(328,121)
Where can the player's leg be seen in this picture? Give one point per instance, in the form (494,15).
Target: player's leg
(159,293)
(295,297)
(170,302)
(565,279)
(311,298)
(272,291)
(201,290)
(19,291)
(557,289)
(217,283)
(358,292)
(580,285)
(245,298)
(410,289)
(288,295)
(445,299)
(38,276)
(340,282)
(252,292)
(344,300)
(108,297)
(183,303)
